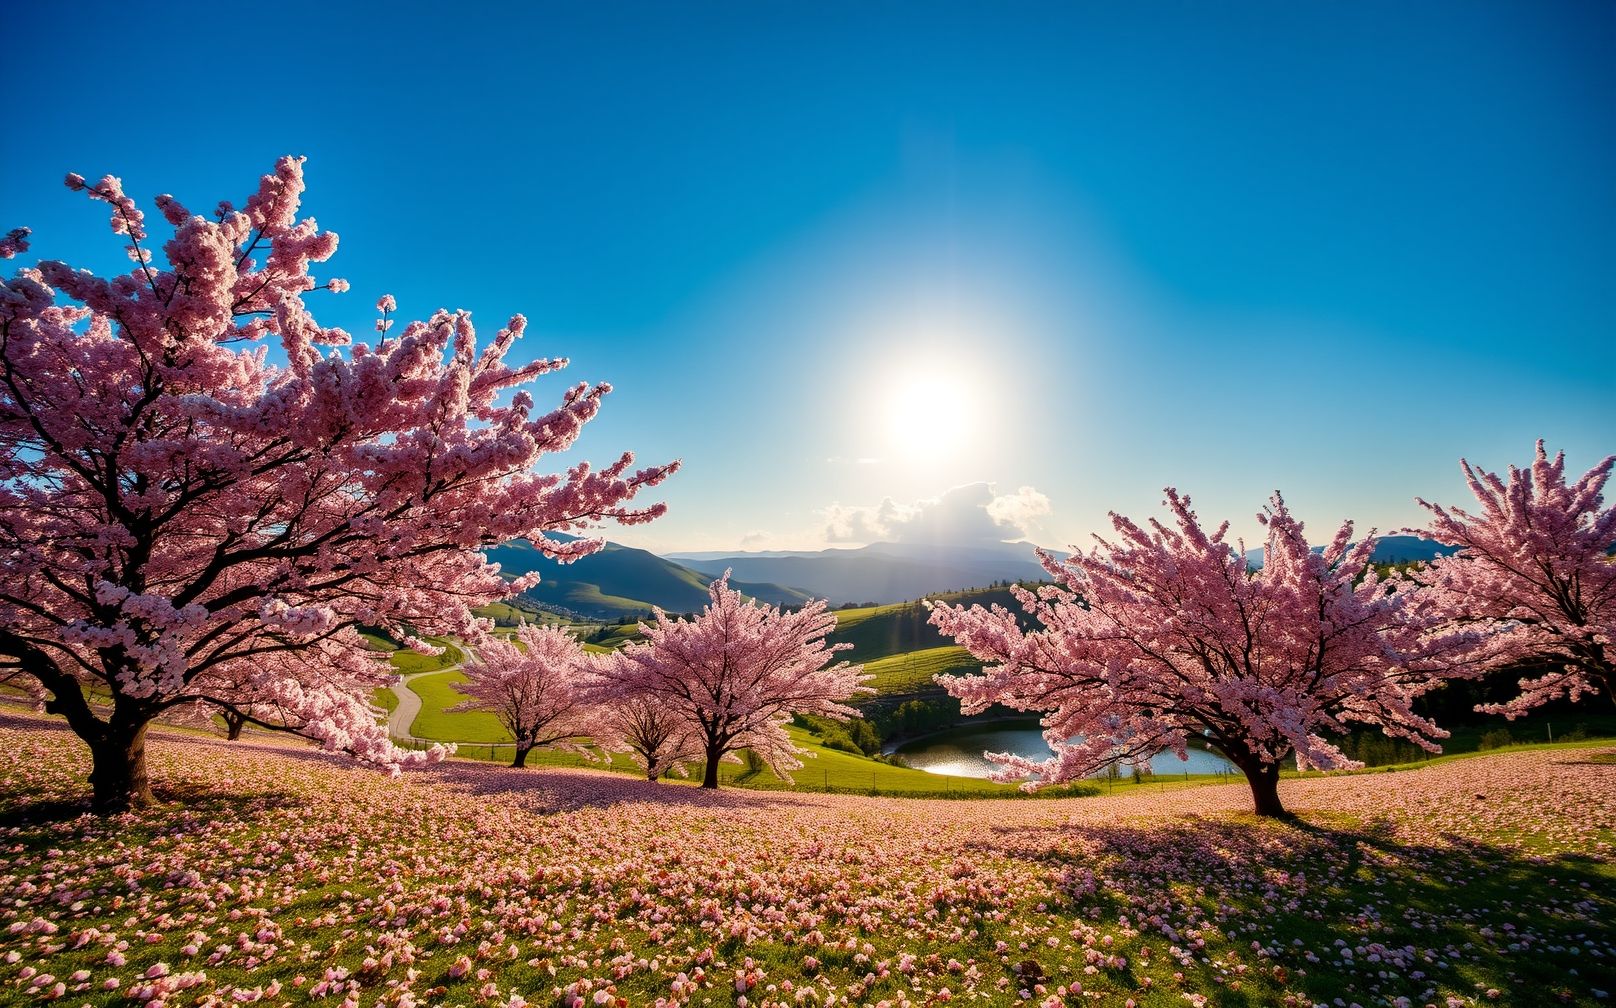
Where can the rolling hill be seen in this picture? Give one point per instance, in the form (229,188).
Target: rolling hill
(620,582)
(884,631)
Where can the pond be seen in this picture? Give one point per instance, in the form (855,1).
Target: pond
(958,751)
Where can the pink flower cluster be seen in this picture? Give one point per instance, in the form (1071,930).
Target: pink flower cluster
(179,516)
(1534,568)
(1164,634)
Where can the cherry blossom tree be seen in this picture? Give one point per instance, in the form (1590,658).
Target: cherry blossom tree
(535,684)
(737,672)
(188,516)
(1164,635)
(655,736)
(1534,569)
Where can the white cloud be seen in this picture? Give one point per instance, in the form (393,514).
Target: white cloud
(865,523)
(962,515)
(1021,509)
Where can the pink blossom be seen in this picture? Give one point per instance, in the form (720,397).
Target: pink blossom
(1534,570)
(735,675)
(534,684)
(14,243)
(187,527)
(1165,635)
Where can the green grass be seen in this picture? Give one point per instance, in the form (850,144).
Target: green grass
(376,642)
(386,699)
(617,636)
(437,692)
(887,630)
(905,673)
(823,770)
(834,770)
(589,599)
(407,662)
(1449,757)
(516,610)
(1535,728)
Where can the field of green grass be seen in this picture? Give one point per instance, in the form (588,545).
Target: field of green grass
(513,611)
(823,770)
(376,642)
(386,699)
(437,692)
(407,662)
(617,636)
(905,673)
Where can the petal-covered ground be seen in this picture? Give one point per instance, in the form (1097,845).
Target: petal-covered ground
(273,874)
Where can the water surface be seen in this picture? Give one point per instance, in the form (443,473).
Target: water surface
(959,751)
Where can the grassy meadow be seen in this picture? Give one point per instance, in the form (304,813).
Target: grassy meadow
(272,874)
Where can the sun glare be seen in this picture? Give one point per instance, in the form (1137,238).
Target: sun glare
(929,413)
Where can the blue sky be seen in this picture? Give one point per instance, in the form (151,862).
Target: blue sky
(833,255)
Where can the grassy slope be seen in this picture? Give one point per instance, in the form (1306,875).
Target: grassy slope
(883,631)
(407,662)
(583,597)
(619,635)
(619,582)
(437,692)
(513,611)
(386,699)
(906,673)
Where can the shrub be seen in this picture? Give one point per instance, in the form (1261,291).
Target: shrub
(1496,738)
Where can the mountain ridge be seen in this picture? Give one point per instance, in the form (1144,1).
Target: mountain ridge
(618,582)
(880,572)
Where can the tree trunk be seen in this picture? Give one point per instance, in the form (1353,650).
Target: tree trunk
(521,756)
(117,747)
(118,768)
(1264,781)
(233,723)
(709,777)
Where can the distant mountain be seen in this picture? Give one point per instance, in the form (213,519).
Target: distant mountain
(1388,549)
(620,582)
(881,572)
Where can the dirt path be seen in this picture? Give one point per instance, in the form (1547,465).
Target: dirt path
(409,701)
(403,716)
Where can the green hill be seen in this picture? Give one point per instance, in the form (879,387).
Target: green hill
(882,631)
(622,583)
(913,671)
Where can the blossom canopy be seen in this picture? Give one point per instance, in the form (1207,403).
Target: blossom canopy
(179,515)
(1165,636)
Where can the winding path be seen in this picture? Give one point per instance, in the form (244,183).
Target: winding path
(403,716)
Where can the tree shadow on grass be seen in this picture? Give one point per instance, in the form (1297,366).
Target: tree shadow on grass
(1598,759)
(559,790)
(1478,914)
(36,824)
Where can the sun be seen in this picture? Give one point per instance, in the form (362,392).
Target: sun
(929,413)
